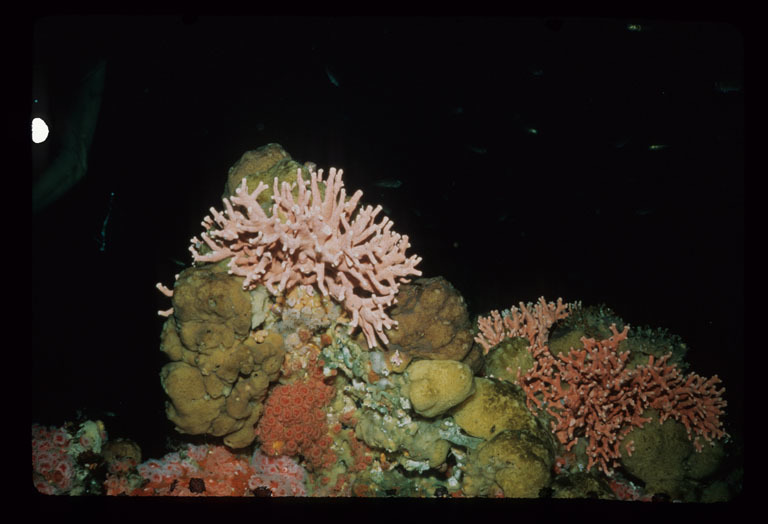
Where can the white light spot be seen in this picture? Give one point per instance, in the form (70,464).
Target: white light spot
(40,130)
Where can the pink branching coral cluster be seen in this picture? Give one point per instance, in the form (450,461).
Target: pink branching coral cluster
(314,239)
(691,399)
(531,321)
(591,393)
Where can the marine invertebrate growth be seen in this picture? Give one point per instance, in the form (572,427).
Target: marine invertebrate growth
(211,471)
(591,393)
(219,374)
(283,476)
(294,422)
(531,321)
(318,238)
(63,458)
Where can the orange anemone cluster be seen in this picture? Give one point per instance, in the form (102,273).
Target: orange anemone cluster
(216,472)
(362,454)
(294,422)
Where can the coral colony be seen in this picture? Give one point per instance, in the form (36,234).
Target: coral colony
(266,365)
(593,389)
(313,240)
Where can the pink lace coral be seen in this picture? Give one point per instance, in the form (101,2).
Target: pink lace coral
(531,321)
(313,239)
(591,393)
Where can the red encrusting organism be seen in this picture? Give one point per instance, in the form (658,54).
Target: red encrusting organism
(199,471)
(294,421)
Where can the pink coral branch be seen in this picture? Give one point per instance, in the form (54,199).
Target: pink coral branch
(591,393)
(313,239)
(531,321)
